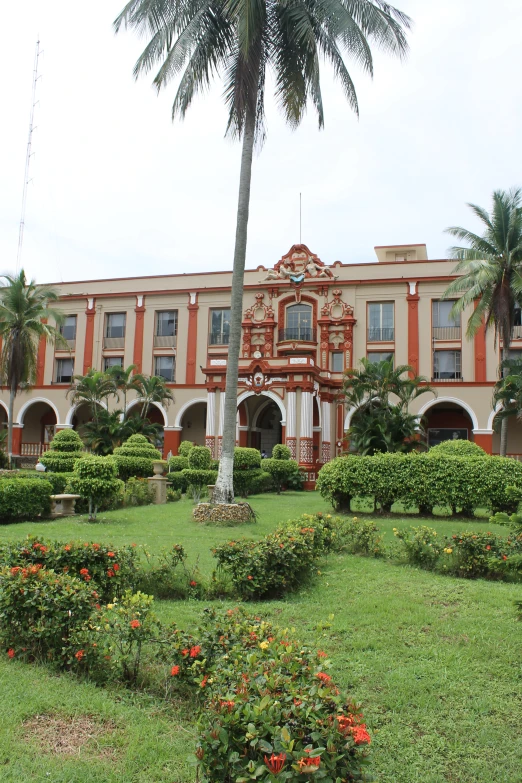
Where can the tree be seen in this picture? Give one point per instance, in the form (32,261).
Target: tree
(103,435)
(196,39)
(124,381)
(490,272)
(381,395)
(151,390)
(93,390)
(24,313)
(508,392)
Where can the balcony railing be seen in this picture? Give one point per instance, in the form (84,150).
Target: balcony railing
(386,335)
(33,449)
(113,343)
(165,341)
(300,334)
(218,338)
(516,334)
(447,377)
(446,332)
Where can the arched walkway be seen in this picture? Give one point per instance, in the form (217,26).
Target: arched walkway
(514,440)
(156,413)
(260,421)
(39,418)
(448,419)
(193,420)
(80,414)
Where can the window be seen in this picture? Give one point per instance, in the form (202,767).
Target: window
(374,357)
(219,327)
(166,323)
(68,328)
(112,361)
(381,322)
(446,365)
(444,326)
(165,367)
(115,325)
(299,323)
(64,370)
(337,361)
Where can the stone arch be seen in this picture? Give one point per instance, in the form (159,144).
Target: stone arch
(498,407)
(275,397)
(454,401)
(184,408)
(72,410)
(4,407)
(157,405)
(25,407)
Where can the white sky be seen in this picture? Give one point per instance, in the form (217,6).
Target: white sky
(119,190)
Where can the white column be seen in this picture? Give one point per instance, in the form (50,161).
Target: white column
(326,448)
(306,433)
(291,423)
(210,439)
(221,421)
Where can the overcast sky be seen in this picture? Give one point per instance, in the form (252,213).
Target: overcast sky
(118,189)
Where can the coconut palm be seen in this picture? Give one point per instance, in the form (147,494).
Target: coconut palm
(24,312)
(152,389)
(93,390)
(243,39)
(124,380)
(507,392)
(490,272)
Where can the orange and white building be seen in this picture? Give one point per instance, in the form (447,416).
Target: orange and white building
(304,323)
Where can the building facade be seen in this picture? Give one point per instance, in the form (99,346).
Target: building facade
(303,324)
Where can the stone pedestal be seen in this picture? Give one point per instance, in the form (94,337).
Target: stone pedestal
(159,486)
(63,505)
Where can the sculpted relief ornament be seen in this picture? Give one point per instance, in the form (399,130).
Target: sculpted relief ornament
(298,265)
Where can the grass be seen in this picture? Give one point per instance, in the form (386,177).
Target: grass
(434,660)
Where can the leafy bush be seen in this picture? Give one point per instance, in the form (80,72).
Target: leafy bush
(138,493)
(185,447)
(199,458)
(95,479)
(296,478)
(421,545)
(197,481)
(457,448)
(214,464)
(178,482)
(280,470)
(281,452)
(24,499)
(474,555)
(261,482)
(463,483)
(177,464)
(110,570)
(173,495)
(166,575)
(246,459)
(65,448)
(361,537)
(135,457)
(40,609)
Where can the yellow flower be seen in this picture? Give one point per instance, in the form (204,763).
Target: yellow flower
(264,645)
(110,606)
(448,551)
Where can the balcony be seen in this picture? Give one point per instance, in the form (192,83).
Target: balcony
(218,338)
(385,335)
(447,377)
(33,449)
(113,343)
(298,334)
(516,334)
(165,341)
(446,332)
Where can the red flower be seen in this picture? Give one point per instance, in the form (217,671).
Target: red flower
(195,651)
(323,677)
(321,654)
(203,681)
(174,670)
(250,577)
(96,546)
(111,554)
(67,548)
(84,571)
(275,762)
(79,655)
(11,653)
(98,606)
(193,583)
(184,653)
(488,547)
(312,763)
(15,570)
(297,702)
(110,572)
(135,624)
(228,704)
(504,557)
(360,735)
(116,567)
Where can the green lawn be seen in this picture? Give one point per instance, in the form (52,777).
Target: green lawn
(434,660)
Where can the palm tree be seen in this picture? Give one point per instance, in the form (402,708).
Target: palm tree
(152,389)
(508,391)
(103,435)
(92,389)
(381,395)
(135,425)
(24,312)
(242,39)
(491,272)
(123,380)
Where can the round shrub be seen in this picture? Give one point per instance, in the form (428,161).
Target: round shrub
(66,440)
(178,481)
(457,448)
(135,457)
(280,471)
(177,463)
(280,451)
(246,459)
(199,458)
(24,499)
(65,448)
(95,479)
(185,447)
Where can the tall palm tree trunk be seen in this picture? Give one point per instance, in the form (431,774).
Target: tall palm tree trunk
(224,489)
(505,423)
(12,396)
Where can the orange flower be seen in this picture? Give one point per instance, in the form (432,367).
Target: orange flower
(174,671)
(360,735)
(79,655)
(275,762)
(309,764)
(321,654)
(488,547)
(111,554)
(84,571)
(193,583)
(67,548)
(323,677)
(116,567)
(11,653)
(195,651)
(15,570)
(228,704)
(203,681)
(250,577)
(110,573)
(135,624)
(184,653)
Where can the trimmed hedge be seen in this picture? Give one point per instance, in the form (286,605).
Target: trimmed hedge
(178,481)
(422,480)
(58,481)
(280,451)
(178,463)
(457,448)
(199,458)
(280,470)
(185,447)
(135,457)
(246,459)
(66,440)
(65,448)
(24,499)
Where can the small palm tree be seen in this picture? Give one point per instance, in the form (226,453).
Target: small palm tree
(124,381)
(92,389)
(152,389)
(24,312)
(243,39)
(508,392)
(490,272)
(135,425)
(103,435)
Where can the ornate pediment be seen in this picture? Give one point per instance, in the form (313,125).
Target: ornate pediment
(298,265)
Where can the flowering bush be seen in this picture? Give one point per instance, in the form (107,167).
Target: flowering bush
(138,492)
(273,710)
(40,609)
(475,555)
(421,546)
(362,537)
(113,638)
(108,570)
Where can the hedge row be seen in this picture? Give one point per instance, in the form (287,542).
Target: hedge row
(24,499)
(424,481)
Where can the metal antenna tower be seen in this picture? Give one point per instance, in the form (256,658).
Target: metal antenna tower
(28,156)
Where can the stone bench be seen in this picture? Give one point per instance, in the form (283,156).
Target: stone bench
(66,503)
